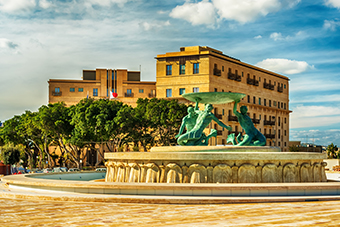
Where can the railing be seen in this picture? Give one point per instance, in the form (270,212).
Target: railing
(54,93)
(252,82)
(236,132)
(232,118)
(128,94)
(152,95)
(217,72)
(235,77)
(280,89)
(268,122)
(268,86)
(255,121)
(270,136)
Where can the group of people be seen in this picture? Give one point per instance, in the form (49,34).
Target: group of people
(197,120)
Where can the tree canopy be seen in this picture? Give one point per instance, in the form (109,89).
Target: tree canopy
(89,124)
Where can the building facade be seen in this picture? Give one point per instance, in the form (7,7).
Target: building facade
(203,69)
(98,84)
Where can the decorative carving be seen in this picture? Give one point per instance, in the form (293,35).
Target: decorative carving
(210,177)
(234,174)
(173,173)
(269,174)
(289,173)
(152,173)
(134,173)
(258,174)
(323,173)
(197,173)
(246,173)
(120,172)
(143,172)
(305,172)
(222,173)
(317,172)
(110,173)
(185,174)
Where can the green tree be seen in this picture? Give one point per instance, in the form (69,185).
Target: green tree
(10,154)
(332,151)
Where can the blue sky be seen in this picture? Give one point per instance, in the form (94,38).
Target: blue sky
(45,39)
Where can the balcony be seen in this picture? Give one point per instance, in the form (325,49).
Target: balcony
(152,95)
(252,82)
(265,122)
(268,86)
(54,93)
(128,95)
(219,132)
(235,132)
(255,121)
(217,72)
(235,77)
(232,118)
(270,136)
(280,89)
(219,116)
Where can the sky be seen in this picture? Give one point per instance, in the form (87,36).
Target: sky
(57,39)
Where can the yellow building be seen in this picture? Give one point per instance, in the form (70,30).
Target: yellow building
(203,69)
(98,84)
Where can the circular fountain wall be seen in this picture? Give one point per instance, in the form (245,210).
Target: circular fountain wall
(214,164)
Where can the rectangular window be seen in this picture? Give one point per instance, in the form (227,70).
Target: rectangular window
(57,89)
(270,103)
(141,90)
(222,68)
(196,68)
(80,89)
(168,93)
(169,70)
(215,90)
(284,86)
(95,91)
(72,89)
(284,106)
(128,91)
(196,89)
(259,101)
(181,91)
(181,69)
(264,102)
(254,100)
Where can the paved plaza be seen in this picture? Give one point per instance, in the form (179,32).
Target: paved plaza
(15,212)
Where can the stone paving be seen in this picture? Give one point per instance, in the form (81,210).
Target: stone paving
(15,212)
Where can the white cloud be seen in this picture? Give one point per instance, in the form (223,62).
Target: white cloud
(242,11)
(154,25)
(44,4)
(319,137)
(331,24)
(333,3)
(12,6)
(317,98)
(7,44)
(245,11)
(277,36)
(284,66)
(106,2)
(314,116)
(196,13)
(258,37)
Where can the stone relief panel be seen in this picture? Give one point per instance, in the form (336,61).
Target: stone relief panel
(134,173)
(197,173)
(120,172)
(305,173)
(222,173)
(317,172)
(247,173)
(289,173)
(270,174)
(152,173)
(323,173)
(110,172)
(173,173)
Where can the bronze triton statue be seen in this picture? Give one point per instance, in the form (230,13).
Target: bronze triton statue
(197,120)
